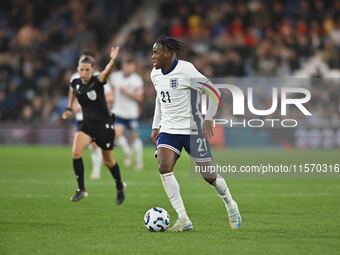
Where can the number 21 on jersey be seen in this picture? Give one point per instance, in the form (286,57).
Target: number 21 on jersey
(165,97)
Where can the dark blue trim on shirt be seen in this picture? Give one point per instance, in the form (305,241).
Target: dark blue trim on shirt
(171,68)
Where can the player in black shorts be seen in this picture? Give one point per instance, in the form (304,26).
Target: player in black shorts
(97,125)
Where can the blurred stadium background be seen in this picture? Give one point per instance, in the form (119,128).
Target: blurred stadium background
(40,44)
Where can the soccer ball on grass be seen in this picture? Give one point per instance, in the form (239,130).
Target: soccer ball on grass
(157,219)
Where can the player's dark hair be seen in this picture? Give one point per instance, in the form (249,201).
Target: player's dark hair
(170,44)
(129,60)
(88,53)
(86,60)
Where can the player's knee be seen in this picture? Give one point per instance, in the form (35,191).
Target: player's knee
(134,136)
(209,177)
(119,131)
(164,167)
(76,153)
(210,180)
(109,162)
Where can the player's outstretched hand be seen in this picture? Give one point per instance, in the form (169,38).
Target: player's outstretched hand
(114,52)
(67,115)
(154,135)
(208,129)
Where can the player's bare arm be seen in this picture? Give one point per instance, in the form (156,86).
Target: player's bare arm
(76,107)
(71,99)
(156,122)
(102,77)
(154,135)
(208,129)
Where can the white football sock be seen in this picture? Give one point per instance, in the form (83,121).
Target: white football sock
(122,142)
(138,148)
(172,189)
(96,157)
(223,191)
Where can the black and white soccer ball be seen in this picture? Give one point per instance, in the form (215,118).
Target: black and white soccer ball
(157,219)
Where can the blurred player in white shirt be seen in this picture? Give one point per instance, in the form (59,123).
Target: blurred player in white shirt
(127,88)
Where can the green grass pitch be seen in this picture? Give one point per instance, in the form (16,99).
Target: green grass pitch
(280,215)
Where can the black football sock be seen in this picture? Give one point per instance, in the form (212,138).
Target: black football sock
(116,175)
(78,167)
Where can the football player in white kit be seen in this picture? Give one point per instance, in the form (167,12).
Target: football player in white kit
(127,88)
(177,121)
(95,151)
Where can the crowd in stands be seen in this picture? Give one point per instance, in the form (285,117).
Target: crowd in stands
(40,44)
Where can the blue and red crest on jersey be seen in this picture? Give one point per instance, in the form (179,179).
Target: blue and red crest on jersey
(173,83)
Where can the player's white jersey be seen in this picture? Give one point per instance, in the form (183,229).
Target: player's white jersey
(176,112)
(79,115)
(124,106)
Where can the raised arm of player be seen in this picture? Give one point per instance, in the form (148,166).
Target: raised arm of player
(156,121)
(105,73)
(71,98)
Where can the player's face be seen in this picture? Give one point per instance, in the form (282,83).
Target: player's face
(85,71)
(159,56)
(128,68)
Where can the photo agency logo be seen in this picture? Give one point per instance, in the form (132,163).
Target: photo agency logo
(274,112)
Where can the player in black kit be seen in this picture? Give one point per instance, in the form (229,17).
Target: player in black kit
(97,122)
